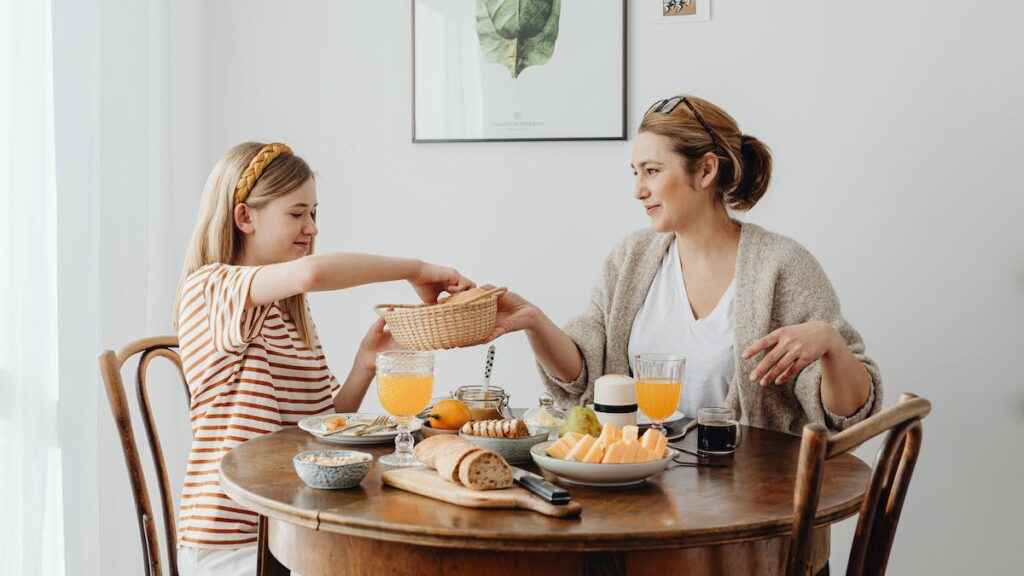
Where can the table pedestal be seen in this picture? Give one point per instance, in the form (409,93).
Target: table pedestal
(316,553)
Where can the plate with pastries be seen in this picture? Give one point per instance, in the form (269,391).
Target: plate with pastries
(617,457)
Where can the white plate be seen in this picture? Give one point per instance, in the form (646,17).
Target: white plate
(605,475)
(315,426)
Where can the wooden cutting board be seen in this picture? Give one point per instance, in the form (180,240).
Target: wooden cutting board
(426,482)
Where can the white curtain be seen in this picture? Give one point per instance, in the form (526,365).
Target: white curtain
(31,529)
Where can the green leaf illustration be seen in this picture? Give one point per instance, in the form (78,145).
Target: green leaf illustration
(518,33)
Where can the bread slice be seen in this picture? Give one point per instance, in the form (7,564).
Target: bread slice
(464,296)
(448,459)
(485,470)
(426,450)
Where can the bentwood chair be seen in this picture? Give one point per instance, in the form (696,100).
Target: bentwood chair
(110,366)
(883,502)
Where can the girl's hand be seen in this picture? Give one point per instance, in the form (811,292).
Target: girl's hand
(377,340)
(431,280)
(514,313)
(791,349)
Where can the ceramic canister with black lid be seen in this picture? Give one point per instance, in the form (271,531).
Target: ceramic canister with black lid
(615,400)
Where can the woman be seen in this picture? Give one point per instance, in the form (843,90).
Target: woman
(751,310)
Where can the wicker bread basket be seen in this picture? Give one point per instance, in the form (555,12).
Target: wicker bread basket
(443,326)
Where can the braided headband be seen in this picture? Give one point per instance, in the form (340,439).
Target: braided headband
(255,169)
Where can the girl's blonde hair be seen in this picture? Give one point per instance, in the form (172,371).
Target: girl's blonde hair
(216,239)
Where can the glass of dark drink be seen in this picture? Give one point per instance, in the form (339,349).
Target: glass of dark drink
(718,432)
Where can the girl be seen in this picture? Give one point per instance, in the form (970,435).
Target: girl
(751,310)
(248,345)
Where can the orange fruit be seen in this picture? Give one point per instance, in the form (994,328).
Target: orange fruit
(448,415)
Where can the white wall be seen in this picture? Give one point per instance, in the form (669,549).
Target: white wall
(894,131)
(118,87)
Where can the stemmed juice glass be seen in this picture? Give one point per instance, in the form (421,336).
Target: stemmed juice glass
(659,384)
(405,382)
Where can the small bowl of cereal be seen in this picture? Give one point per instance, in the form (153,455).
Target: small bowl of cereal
(332,469)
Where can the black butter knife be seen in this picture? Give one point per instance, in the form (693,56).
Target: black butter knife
(539,486)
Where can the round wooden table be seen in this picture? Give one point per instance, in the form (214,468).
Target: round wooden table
(732,520)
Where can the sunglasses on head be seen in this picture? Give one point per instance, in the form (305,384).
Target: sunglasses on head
(667,105)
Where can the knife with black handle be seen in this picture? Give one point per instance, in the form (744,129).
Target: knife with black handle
(539,486)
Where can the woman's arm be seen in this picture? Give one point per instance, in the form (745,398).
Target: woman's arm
(816,349)
(554,350)
(339,270)
(845,382)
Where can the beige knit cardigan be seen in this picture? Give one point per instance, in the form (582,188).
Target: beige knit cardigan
(778,283)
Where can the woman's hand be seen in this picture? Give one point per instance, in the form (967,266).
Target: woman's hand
(431,280)
(791,349)
(377,340)
(514,313)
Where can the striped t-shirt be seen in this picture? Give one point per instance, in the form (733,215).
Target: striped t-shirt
(249,374)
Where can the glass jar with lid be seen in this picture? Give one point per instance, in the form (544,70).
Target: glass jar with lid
(545,417)
(489,405)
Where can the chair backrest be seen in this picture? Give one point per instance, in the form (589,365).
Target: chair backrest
(887,489)
(110,367)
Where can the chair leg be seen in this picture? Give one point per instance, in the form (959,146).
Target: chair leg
(266,564)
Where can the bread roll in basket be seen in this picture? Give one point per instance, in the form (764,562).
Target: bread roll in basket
(465,319)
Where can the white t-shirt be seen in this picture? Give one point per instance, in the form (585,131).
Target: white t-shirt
(665,325)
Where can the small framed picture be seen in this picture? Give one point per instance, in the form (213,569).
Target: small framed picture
(669,11)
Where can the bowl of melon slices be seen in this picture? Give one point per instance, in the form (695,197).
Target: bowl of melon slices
(617,457)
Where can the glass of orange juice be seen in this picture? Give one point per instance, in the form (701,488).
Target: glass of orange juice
(405,382)
(659,384)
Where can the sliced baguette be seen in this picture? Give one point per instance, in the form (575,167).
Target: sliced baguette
(427,449)
(511,428)
(448,459)
(484,470)
(521,429)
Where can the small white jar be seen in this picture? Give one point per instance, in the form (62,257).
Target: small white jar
(615,400)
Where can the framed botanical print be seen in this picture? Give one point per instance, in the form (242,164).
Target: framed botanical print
(509,70)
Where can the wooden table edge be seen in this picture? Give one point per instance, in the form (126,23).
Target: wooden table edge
(554,541)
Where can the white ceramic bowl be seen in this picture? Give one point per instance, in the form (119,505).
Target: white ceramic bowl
(589,474)
(513,450)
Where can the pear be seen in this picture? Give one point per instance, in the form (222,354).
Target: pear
(583,420)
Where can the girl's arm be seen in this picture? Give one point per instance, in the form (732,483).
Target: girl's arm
(364,367)
(339,270)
